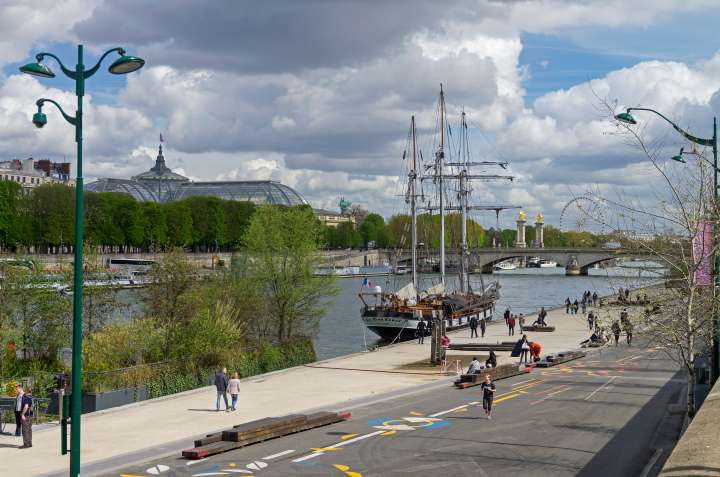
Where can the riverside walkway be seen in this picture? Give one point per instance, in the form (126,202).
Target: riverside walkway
(140,431)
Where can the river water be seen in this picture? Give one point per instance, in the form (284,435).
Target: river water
(524,290)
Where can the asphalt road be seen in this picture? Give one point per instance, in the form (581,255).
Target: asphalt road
(591,417)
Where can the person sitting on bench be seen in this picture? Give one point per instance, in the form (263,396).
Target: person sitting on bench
(475,366)
(491,362)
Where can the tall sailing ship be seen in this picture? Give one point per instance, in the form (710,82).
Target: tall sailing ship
(395,315)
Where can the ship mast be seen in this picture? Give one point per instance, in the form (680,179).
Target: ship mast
(440,158)
(413,194)
(464,281)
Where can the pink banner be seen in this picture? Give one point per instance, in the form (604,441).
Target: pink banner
(702,253)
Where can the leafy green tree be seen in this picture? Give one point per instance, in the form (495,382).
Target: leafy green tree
(372,229)
(179,224)
(10,209)
(208,218)
(281,245)
(155,233)
(237,220)
(171,301)
(52,211)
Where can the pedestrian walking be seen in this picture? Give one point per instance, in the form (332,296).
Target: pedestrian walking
(420,331)
(221,385)
(506,315)
(524,350)
(591,320)
(629,332)
(473,327)
(575,307)
(488,389)
(595,299)
(584,307)
(511,326)
(521,321)
(616,331)
(18,409)
(542,315)
(627,294)
(234,389)
(482,328)
(26,416)
(568,304)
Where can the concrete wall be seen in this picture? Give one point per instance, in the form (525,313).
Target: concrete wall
(698,452)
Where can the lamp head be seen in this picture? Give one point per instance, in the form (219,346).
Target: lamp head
(626,118)
(126,64)
(679,157)
(39,119)
(37,69)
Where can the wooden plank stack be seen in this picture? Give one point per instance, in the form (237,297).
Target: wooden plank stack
(559,358)
(260,430)
(545,329)
(481,346)
(501,372)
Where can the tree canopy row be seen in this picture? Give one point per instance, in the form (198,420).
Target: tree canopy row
(42,221)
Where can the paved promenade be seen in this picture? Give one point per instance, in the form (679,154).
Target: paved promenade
(171,423)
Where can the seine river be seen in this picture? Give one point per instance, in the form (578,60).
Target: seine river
(523,290)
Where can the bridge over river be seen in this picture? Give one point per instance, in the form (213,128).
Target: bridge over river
(576,261)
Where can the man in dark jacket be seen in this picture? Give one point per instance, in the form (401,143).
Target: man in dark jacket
(221,384)
(482,328)
(420,331)
(18,409)
(473,327)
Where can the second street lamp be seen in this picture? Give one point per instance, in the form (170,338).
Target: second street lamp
(124,64)
(628,118)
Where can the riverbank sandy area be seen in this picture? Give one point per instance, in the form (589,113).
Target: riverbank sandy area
(171,423)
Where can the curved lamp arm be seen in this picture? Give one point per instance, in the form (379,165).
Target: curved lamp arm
(72,120)
(68,72)
(688,136)
(91,71)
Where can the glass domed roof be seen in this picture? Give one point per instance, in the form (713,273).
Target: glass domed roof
(160,184)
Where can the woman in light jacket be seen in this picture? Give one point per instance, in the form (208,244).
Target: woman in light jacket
(234,389)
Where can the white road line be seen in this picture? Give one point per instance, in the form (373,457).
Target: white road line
(523,382)
(355,439)
(474,403)
(309,456)
(279,454)
(599,389)
(193,462)
(339,444)
(441,413)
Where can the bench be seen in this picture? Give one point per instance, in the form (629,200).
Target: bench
(559,358)
(501,372)
(546,329)
(260,430)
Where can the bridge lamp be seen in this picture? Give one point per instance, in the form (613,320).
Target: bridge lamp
(679,157)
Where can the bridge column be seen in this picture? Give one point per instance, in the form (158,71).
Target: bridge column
(573,268)
(520,238)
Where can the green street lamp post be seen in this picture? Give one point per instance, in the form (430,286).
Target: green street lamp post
(627,118)
(124,64)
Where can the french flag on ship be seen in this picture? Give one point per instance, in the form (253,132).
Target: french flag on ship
(366,282)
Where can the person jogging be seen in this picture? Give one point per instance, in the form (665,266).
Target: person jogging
(488,388)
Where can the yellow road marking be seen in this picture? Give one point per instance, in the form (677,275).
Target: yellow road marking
(388,433)
(130,475)
(560,391)
(347,436)
(346,469)
(323,449)
(415,413)
(495,401)
(526,383)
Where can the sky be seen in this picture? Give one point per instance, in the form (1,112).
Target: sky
(318,94)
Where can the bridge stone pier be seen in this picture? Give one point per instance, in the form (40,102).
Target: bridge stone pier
(576,261)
